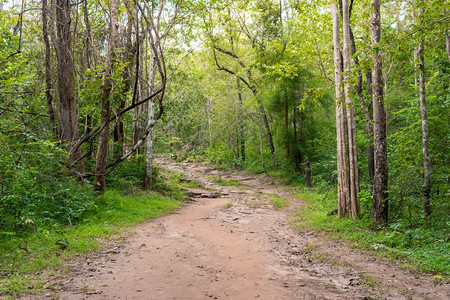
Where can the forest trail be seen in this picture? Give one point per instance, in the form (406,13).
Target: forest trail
(230,243)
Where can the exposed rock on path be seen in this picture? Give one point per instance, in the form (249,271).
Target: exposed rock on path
(232,244)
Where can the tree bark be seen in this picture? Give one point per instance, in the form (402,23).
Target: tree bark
(380,184)
(48,76)
(90,53)
(68,125)
(366,111)
(241,121)
(139,111)
(102,151)
(447,44)
(426,194)
(148,183)
(351,128)
(298,159)
(308,174)
(286,130)
(369,126)
(343,180)
(127,78)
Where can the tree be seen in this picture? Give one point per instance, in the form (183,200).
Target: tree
(380,183)
(426,195)
(241,68)
(68,123)
(48,79)
(353,206)
(348,184)
(107,85)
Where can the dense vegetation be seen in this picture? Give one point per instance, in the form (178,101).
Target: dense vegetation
(88,95)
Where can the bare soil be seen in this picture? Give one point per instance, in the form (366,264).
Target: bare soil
(230,243)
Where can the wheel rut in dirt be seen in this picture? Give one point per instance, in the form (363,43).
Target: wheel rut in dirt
(230,243)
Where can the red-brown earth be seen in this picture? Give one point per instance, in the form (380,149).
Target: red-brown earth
(231,243)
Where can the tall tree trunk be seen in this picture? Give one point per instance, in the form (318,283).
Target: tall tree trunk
(269,133)
(423,110)
(380,184)
(447,44)
(208,113)
(298,159)
(366,111)
(286,130)
(308,183)
(139,111)
(261,144)
(102,151)
(67,112)
(127,78)
(351,128)
(48,76)
(343,180)
(151,120)
(241,121)
(369,126)
(90,49)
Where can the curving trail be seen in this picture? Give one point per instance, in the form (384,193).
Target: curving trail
(230,243)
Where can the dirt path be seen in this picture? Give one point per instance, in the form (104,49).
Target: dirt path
(230,243)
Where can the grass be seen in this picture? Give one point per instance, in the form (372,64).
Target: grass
(421,249)
(278,202)
(226,182)
(24,258)
(175,178)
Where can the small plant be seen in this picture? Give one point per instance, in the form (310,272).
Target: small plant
(279,202)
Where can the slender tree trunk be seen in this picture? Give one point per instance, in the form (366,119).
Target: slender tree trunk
(351,128)
(261,144)
(68,124)
(447,44)
(369,125)
(297,137)
(423,110)
(127,78)
(366,111)
(308,174)
(139,111)
(90,53)
(102,151)
(286,130)
(380,184)
(262,111)
(241,120)
(208,113)
(151,119)
(269,134)
(48,76)
(343,180)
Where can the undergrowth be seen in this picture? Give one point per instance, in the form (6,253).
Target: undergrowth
(419,248)
(27,257)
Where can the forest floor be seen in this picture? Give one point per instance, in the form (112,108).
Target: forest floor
(230,242)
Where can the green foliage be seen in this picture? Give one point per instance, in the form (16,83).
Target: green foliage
(35,189)
(48,248)
(424,249)
(129,176)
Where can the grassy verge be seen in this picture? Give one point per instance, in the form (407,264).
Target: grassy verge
(25,258)
(420,249)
